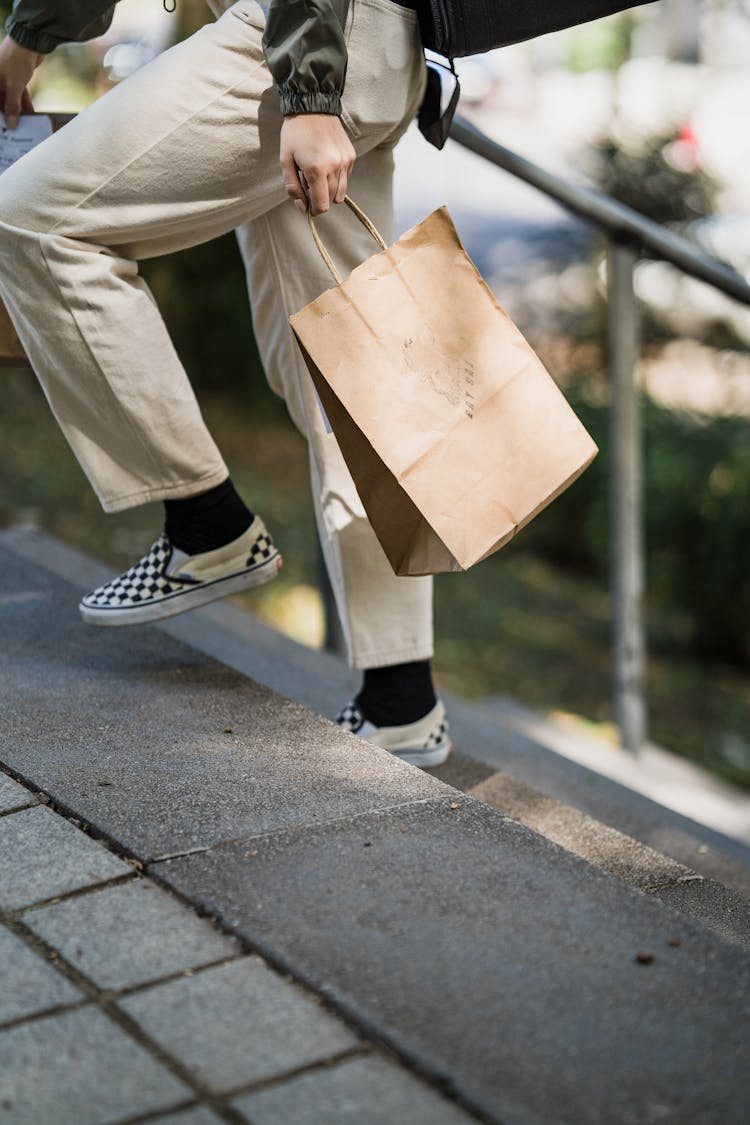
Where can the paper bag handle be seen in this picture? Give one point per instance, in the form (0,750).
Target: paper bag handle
(365,223)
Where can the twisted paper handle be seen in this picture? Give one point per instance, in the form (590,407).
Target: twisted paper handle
(365,223)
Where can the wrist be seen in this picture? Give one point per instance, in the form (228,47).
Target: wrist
(22,57)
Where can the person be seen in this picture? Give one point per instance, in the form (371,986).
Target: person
(186,149)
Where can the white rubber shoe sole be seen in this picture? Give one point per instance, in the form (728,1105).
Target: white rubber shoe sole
(423,744)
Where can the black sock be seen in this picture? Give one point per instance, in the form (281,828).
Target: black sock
(397,694)
(208,521)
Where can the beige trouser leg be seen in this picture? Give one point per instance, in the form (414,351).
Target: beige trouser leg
(183,151)
(386,620)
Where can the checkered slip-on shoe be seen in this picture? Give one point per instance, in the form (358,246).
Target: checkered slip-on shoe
(167,581)
(424,743)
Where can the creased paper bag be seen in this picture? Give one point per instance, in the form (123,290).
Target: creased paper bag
(455,434)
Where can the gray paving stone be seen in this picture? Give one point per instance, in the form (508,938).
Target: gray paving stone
(724,910)
(28,984)
(321,680)
(238,1023)
(165,749)
(45,855)
(363,1091)
(78,1068)
(479,729)
(507,963)
(199,1115)
(130,934)
(13,795)
(614,852)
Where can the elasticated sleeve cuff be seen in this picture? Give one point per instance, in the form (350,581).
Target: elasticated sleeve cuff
(297,101)
(30,37)
(43,26)
(305,49)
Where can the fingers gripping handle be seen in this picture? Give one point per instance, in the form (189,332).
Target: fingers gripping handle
(365,223)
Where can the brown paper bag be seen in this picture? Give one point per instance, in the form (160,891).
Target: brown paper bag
(455,434)
(11,348)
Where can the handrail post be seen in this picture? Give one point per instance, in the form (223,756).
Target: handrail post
(627,526)
(626,228)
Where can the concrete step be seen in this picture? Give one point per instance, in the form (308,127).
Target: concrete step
(527,982)
(581,793)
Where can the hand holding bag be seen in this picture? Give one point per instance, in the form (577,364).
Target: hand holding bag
(454,433)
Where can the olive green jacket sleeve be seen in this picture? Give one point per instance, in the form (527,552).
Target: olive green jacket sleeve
(306,53)
(42,26)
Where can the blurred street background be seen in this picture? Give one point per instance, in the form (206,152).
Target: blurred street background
(650,106)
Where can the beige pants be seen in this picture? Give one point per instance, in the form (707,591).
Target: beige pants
(185,150)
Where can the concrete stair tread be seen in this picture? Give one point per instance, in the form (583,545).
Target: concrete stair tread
(517,760)
(482,952)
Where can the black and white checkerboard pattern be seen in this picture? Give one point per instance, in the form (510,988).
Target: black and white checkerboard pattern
(262,550)
(148,581)
(144,582)
(437,736)
(351,718)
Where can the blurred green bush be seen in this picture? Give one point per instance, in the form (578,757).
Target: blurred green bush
(696,469)
(657,175)
(697,526)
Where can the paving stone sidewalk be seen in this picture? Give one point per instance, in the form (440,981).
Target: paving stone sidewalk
(119,1003)
(389,949)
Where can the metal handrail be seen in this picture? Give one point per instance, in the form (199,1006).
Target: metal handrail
(621,222)
(629,234)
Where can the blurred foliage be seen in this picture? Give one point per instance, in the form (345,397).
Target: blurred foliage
(657,176)
(189,16)
(696,470)
(601,45)
(697,526)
